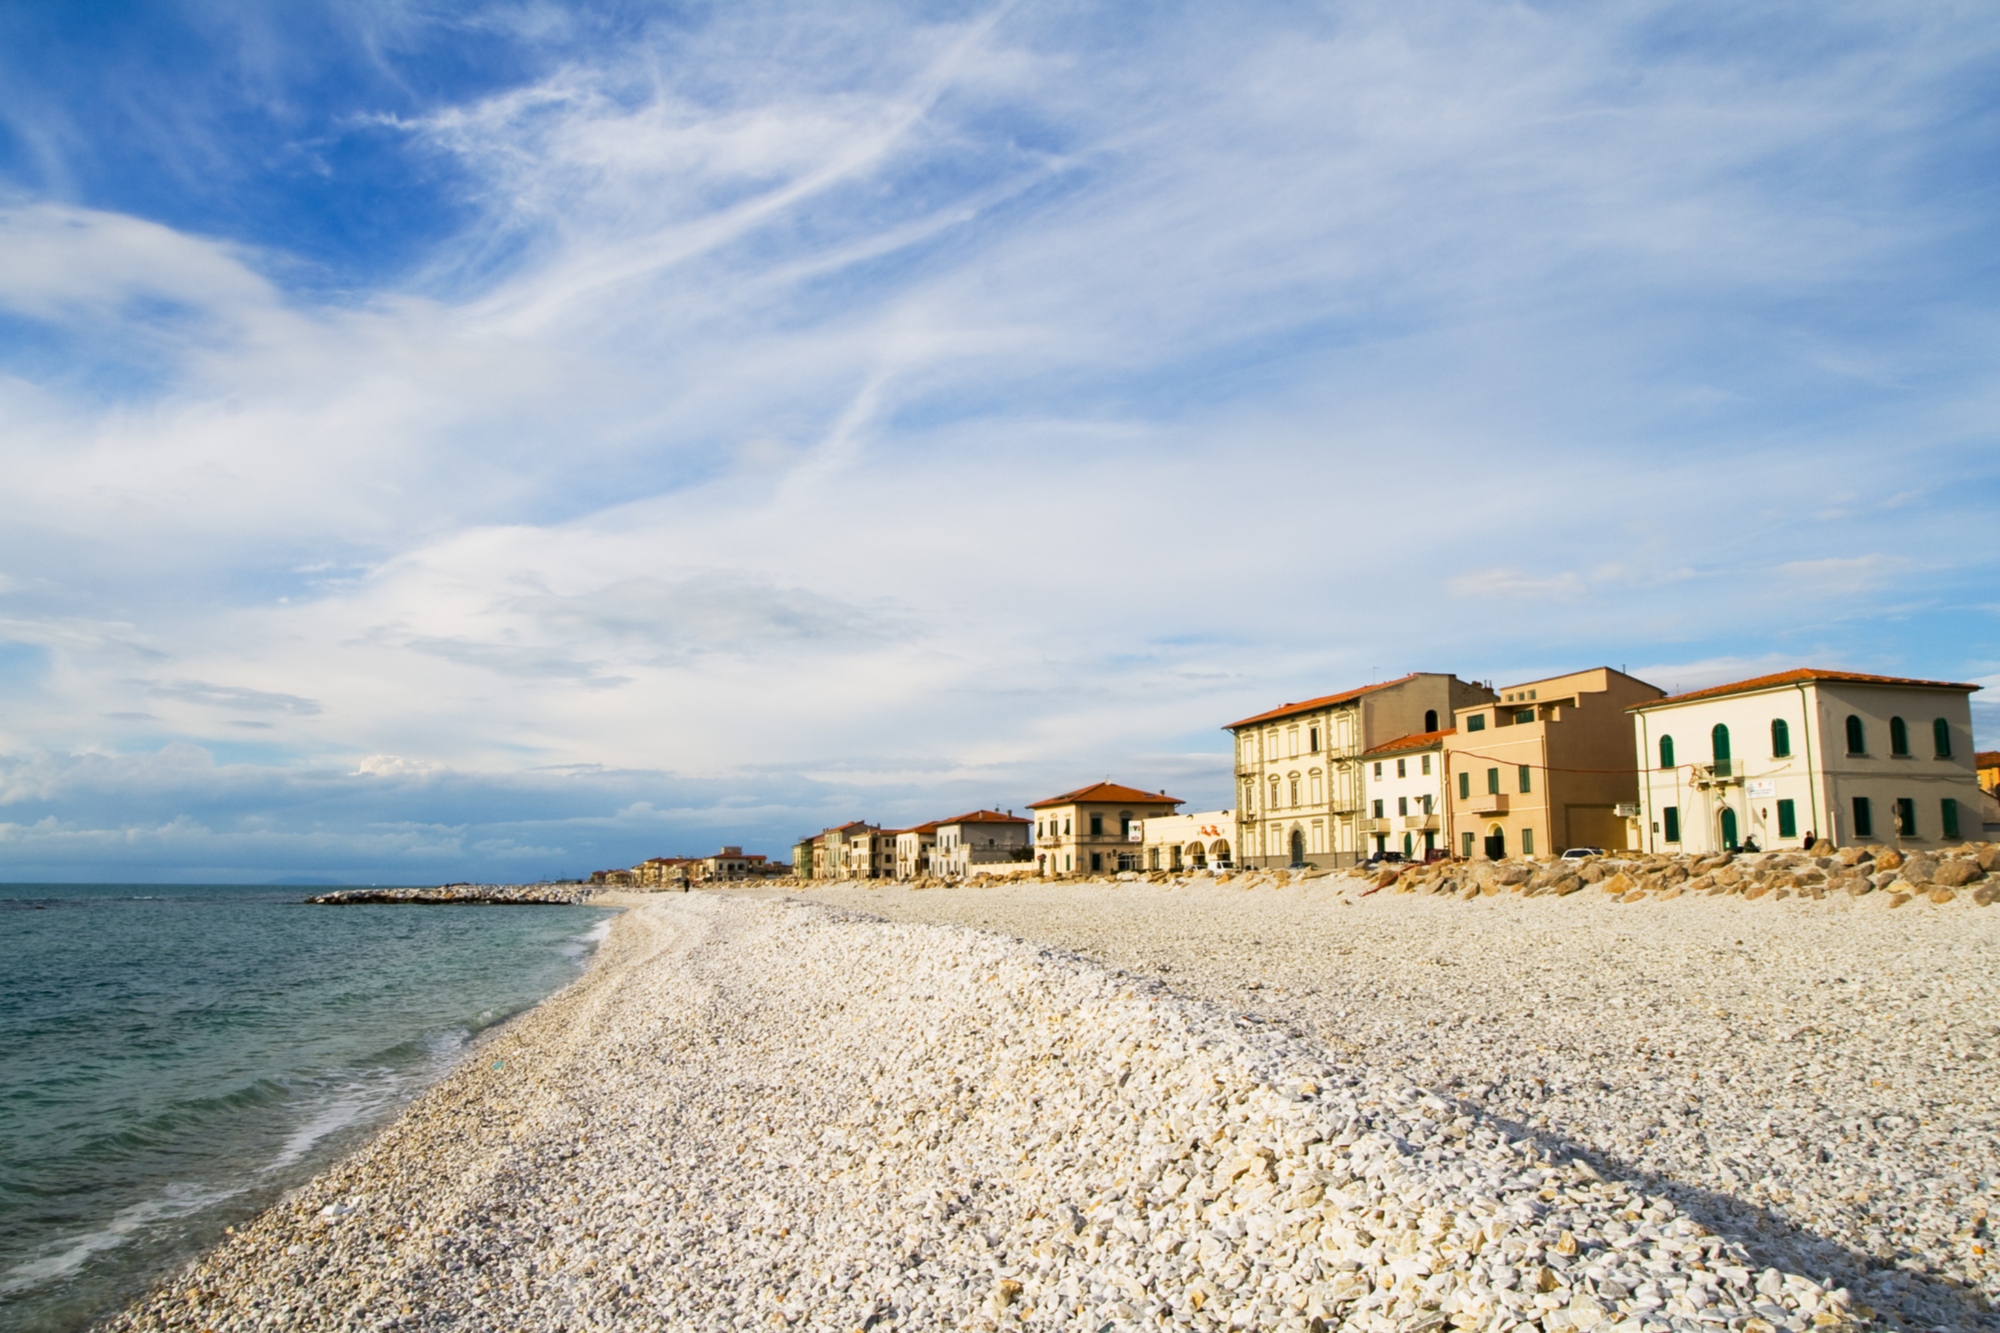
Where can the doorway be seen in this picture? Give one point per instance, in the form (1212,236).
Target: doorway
(1728,822)
(1298,847)
(1496,845)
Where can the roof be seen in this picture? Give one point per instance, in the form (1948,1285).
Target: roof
(931,827)
(987,817)
(1801,676)
(1987,759)
(849,828)
(1111,793)
(1314,705)
(1416,740)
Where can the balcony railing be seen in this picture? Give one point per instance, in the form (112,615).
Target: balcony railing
(1420,822)
(1492,803)
(1720,773)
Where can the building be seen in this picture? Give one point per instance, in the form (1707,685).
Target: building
(1205,841)
(871,852)
(833,860)
(1300,793)
(1546,767)
(729,863)
(805,856)
(914,851)
(974,843)
(1988,764)
(1095,828)
(1403,784)
(1833,754)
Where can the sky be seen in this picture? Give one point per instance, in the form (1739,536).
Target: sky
(502,441)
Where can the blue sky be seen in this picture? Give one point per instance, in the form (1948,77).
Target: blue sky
(451,441)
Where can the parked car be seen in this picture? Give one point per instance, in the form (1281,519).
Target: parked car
(1385,858)
(1579,853)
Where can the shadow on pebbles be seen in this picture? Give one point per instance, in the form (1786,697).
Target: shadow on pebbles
(762,1113)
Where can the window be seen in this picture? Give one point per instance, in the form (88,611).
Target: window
(1427,765)
(1857,740)
(1718,739)
(1526,784)
(1466,842)
(1097,860)
(1430,719)
(1788,820)
(1666,752)
(1403,806)
(1313,736)
(1465,791)
(1153,858)
(1493,781)
(1427,805)
(1527,842)
(1524,715)
(1477,722)
(1066,861)
(1781,739)
(1531,693)
(1096,828)
(1249,798)
(1906,816)
(1671,816)
(1402,768)
(1899,737)
(1948,813)
(1124,829)
(1295,790)
(1378,768)
(1378,808)
(1941,740)
(1864,817)
(1065,823)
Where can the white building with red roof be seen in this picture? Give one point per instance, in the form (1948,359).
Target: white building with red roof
(1096,829)
(1835,754)
(1403,787)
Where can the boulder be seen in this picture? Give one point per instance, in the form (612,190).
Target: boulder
(1919,868)
(1989,856)
(1957,874)
(1567,885)
(1888,859)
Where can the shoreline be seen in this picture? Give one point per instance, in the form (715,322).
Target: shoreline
(754,1106)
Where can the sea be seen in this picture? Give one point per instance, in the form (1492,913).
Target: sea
(174,1058)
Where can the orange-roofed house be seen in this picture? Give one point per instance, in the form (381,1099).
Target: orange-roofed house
(1301,795)
(1840,755)
(981,842)
(1403,784)
(914,850)
(1095,829)
(1988,764)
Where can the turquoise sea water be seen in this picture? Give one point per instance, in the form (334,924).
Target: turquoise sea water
(172,1059)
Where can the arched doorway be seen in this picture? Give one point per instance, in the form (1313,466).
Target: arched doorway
(1218,852)
(1496,843)
(1728,822)
(1430,719)
(1197,855)
(1298,847)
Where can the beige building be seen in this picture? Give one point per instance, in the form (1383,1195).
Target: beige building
(1403,784)
(834,858)
(729,863)
(915,851)
(805,856)
(980,841)
(1095,829)
(1205,841)
(871,853)
(1301,796)
(1833,754)
(1547,767)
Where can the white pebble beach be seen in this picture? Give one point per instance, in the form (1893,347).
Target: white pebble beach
(1133,1105)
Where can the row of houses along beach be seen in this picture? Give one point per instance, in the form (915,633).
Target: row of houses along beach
(1429,766)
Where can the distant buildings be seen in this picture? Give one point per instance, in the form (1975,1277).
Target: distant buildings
(1095,828)
(977,842)
(1404,782)
(1205,841)
(1835,754)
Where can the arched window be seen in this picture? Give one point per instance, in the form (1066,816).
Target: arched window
(1718,737)
(1941,738)
(1857,739)
(1430,719)
(1899,736)
(1666,752)
(1781,738)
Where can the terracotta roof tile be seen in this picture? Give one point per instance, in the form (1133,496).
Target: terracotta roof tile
(1801,676)
(986,817)
(1314,705)
(1416,740)
(1109,792)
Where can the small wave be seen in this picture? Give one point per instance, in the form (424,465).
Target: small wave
(589,942)
(64,1256)
(348,1105)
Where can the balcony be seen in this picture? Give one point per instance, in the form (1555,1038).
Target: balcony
(1491,803)
(1377,825)
(1421,823)
(1721,773)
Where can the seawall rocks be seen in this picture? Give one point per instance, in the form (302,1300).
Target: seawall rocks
(464,895)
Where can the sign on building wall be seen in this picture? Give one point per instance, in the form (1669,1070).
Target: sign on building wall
(1762,789)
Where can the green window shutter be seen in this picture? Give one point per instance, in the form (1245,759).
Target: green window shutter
(1718,736)
(1857,740)
(1465,790)
(1788,819)
(1948,810)
(1525,783)
(1906,816)
(1493,782)
(1864,815)
(1781,738)
(1477,722)
(1467,840)
(1671,821)
(1941,739)
(1899,736)
(1666,752)
(1527,842)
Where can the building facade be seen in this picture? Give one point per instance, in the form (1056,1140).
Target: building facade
(974,843)
(1403,785)
(871,853)
(834,857)
(1205,841)
(1301,794)
(1546,767)
(1779,759)
(914,851)
(1095,829)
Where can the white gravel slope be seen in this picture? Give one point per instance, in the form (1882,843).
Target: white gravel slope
(760,1114)
(1816,1079)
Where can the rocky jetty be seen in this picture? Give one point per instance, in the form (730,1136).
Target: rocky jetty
(472,895)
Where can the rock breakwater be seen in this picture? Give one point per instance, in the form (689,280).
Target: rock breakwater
(464,895)
(776,1114)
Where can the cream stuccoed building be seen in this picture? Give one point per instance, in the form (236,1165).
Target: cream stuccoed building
(1403,785)
(1205,841)
(1301,794)
(1830,754)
